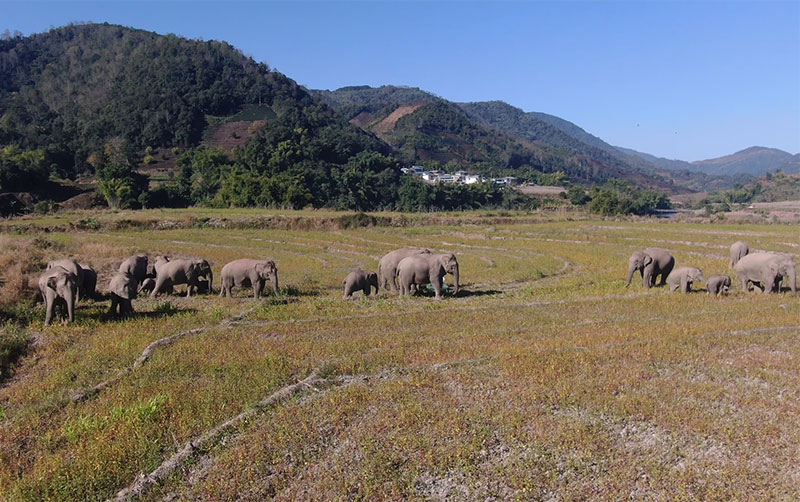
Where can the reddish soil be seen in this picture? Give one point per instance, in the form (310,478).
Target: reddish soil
(386,125)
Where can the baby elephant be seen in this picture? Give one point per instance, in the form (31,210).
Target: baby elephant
(359,280)
(683,277)
(123,287)
(718,284)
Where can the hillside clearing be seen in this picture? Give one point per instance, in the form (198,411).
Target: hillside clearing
(543,379)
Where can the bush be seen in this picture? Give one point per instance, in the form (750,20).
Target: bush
(44,206)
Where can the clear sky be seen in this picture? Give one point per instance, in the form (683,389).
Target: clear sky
(685,80)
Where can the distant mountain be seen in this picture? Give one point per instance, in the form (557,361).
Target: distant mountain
(755,160)
(659,162)
(493,135)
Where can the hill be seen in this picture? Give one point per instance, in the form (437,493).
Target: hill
(756,161)
(493,137)
(67,92)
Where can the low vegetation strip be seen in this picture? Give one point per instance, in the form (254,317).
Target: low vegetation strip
(145,482)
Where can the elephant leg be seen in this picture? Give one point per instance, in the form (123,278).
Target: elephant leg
(157,288)
(48,315)
(366,290)
(437,286)
(256,290)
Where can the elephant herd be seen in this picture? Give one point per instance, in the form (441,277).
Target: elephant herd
(762,270)
(404,270)
(66,281)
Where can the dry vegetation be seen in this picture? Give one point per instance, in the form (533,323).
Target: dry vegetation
(544,380)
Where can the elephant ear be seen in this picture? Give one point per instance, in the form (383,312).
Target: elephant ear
(647,260)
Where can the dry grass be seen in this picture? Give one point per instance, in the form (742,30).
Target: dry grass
(545,379)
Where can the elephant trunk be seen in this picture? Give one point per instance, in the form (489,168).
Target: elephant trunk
(70,301)
(275,282)
(455,280)
(792,276)
(628,279)
(210,281)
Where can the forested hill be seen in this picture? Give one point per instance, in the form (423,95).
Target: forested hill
(67,92)
(426,127)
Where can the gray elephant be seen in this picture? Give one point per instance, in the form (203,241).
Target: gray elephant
(359,280)
(718,284)
(246,272)
(136,266)
(73,267)
(123,289)
(427,268)
(58,286)
(683,277)
(767,271)
(651,263)
(182,271)
(89,280)
(739,250)
(387,266)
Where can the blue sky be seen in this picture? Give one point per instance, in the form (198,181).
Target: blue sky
(686,80)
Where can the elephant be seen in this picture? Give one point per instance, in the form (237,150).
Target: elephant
(248,272)
(739,250)
(427,268)
(59,286)
(767,270)
(718,284)
(72,266)
(122,287)
(182,271)
(651,263)
(683,277)
(89,280)
(136,266)
(387,267)
(359,280)
(149,284)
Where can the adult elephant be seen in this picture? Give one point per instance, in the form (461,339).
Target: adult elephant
(683,277)
(246,272)
(387,266)
(651,263)
(767,270)
(182,271)
(739,250)
(58,286)
(427,268)
(136,266)
(73,267)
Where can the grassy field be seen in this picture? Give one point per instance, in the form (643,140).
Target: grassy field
(544,379)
